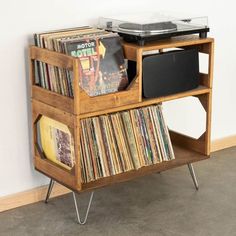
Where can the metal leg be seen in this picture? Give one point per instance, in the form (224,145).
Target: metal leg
(77,211)
(49,190)
(192,173)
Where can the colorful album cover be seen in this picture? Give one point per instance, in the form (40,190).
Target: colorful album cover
(102,63)
(56,142)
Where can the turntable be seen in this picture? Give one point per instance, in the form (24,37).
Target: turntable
(154,27)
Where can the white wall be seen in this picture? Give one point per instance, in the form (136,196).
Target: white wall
(20,19)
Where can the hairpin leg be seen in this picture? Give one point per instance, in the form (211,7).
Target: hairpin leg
(82,222)
(49,190)
(192,173)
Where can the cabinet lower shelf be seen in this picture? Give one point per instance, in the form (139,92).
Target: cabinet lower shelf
(183,156)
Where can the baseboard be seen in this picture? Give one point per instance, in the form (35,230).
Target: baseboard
(223,143)
(38,194)
(30,196)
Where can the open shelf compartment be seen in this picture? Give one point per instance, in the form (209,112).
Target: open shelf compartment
(81,103)
(187,150)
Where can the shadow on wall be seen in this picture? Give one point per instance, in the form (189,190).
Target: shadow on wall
(35,175)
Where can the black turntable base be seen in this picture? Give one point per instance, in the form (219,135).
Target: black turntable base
(142,34)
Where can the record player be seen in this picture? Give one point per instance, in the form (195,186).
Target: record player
(154,27)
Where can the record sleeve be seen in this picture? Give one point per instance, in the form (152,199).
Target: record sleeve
(56,142)
(102,66)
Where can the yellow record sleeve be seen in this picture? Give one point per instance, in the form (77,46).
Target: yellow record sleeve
(57,142)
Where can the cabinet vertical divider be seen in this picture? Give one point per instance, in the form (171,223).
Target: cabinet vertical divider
(76,85)
(139,59)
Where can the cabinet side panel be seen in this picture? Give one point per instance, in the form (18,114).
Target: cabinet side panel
(53,99)
(211,63)
(208,123)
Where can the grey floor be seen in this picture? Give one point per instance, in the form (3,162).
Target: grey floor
(160,204)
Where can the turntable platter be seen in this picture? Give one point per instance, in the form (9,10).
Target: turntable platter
(153,28)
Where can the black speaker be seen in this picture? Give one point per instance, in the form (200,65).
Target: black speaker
(168,73)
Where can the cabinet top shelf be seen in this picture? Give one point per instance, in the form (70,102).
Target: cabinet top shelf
(168,43)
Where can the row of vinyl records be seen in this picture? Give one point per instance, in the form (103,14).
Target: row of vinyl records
(109,144)
(102,66)
(123,141)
